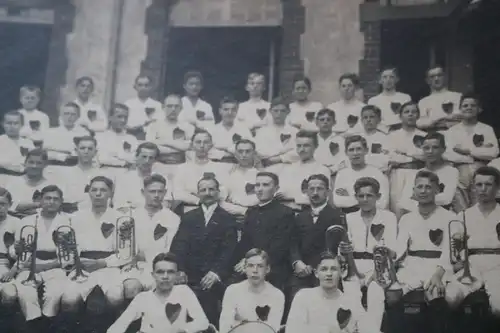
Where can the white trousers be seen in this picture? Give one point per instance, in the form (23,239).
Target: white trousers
(107,279)
(371,319)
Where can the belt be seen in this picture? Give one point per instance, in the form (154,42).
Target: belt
(428,254)
(482,251)
(46,255)
(95,254)
(362,255)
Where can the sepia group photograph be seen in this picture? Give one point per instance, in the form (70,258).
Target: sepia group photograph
(249,166)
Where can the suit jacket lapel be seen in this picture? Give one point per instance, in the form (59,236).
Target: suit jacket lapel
(214,220)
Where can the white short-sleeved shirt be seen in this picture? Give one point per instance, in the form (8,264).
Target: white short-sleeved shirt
(389,106)
(142,111)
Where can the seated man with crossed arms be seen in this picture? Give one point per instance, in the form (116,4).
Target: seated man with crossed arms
(166,308)
(254,298)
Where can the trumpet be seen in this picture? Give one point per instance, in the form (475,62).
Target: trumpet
(334,235)
(458,244)
(27,250)
(67,250)
(126,237)
(385,268)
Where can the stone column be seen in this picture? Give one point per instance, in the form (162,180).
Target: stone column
(91,47)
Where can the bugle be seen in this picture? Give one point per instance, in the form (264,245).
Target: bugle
(67,252)
(126,237)
(458,246)
(28,241)
(334,236)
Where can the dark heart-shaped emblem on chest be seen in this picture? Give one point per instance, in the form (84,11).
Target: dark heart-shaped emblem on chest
(236,138)
(107,229)
(249,188)
(441,187)
(209,175)
(262,312)
(37,195)
(23,151)
(418,141)
(34,125)
(436,236)
(343,317)
(261,113)
(395,107)
(149,111)
(497,229)
(178,134)
(303,186)
(92,115)
(159,232)
(8,239)
(200,115)
(377,231)
(188,317)
(334,148)
(447,107)
(285,137)
(310,116)
(352,120)
(127,146)
(478,140)
(38,143)
(376,148)
(172,310)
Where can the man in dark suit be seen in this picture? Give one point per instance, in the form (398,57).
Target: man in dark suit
(204,244)
(308,234)
(267,226)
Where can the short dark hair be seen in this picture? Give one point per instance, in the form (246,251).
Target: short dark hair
(84,78)
(51,188)
(405,105)
(208,176)
(327,255)
(37,152)
(5,193)
(373,108)
(488,171)
(350,76)
(279,101)
(165,256)
(198,132)
(470,95)
(147,145)
(307,135)
(257,252)
(431,176)
(434,67)
(326,111)
(143,76)
(302,78)
(14,113)
(245,141)
(154,178)
(72,105)
(228,100)
(79,139)
(193,74)
(390,68)
(355,138)
(109,183)
(320,177)
(274,177)
(436,136)
(367,181)
(118,106)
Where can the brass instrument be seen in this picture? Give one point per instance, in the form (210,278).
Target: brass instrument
(28,241)
(126,237)
(334,235)
(385,268)
(458,244)
(67,252)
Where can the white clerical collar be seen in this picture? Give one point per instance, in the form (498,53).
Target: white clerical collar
(262,204)
(317,210)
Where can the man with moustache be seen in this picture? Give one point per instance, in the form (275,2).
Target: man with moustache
(204,244)
(325,308)
(308,233)
(267,226)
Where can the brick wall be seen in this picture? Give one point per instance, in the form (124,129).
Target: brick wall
(369,66)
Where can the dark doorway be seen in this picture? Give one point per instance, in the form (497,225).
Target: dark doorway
(24,52)
(225,57)
(410,46)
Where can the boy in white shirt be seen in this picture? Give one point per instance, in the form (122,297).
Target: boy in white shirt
(253,299)
(143,110)
(390,100)
(348,108)
(330,150)
(193,107)
(168,306)
(35,121)
(302,110)
(92,115)
(439,110)
(254,113)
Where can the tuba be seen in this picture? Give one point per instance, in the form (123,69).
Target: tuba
(67,252)
(126,237)
(459,251)
(28,241)
(334,235)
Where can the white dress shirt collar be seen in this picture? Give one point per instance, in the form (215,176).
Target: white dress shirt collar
(208,211)
(315,211)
